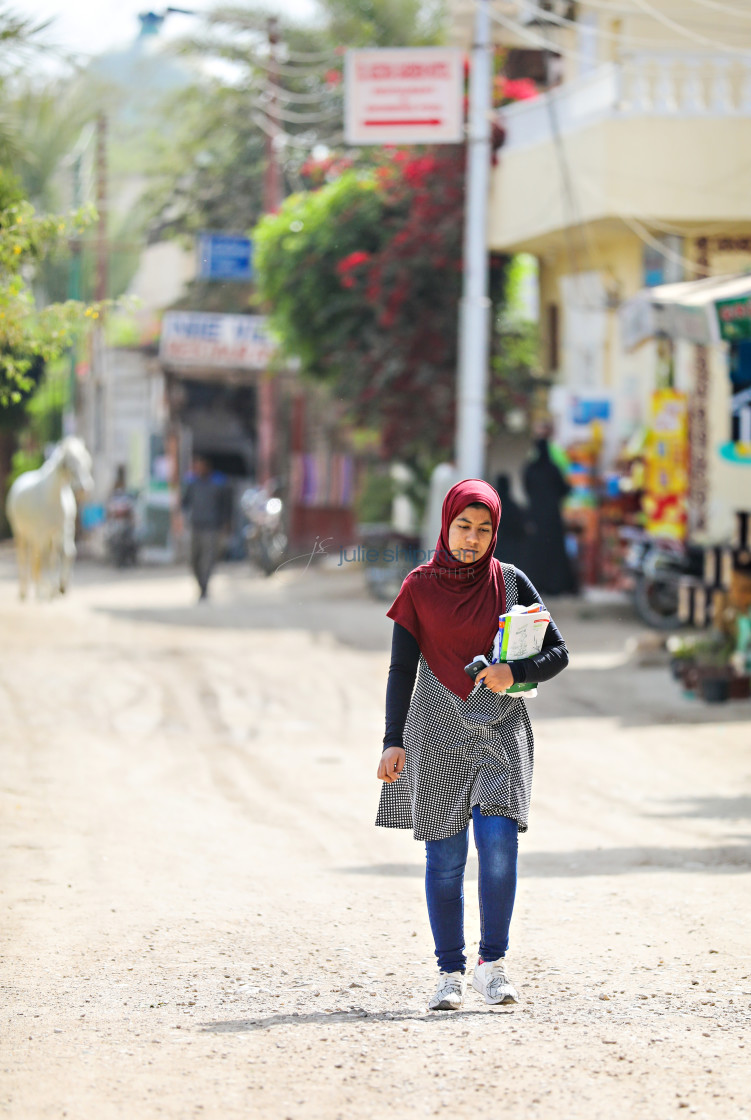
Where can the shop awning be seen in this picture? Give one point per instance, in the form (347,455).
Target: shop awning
(703,311)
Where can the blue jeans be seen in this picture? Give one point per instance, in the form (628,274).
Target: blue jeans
(496,840)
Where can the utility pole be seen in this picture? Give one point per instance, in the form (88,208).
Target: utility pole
(474,314)
(100,390)
(74,292)
(100,291)
(272,200)
(272,194)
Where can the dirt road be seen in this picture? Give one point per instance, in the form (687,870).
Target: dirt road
(201,921)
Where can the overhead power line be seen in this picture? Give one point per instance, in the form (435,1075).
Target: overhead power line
(638,227)
(600,32)
(299,140)
(309,56)
(669,254)
(288,71)
(279,114)
(535,39)
(714,5)
(643,7)
(694,36)
(302,98)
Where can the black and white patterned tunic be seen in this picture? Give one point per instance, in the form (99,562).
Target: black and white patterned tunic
(461,753)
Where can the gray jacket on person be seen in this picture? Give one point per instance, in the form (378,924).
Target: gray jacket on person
(208,503)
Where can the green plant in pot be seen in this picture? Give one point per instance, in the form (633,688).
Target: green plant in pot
(714,667)
(682,650)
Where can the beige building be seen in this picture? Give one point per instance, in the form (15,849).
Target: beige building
(632,170)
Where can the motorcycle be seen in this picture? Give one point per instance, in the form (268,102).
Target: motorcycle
(120,530)
(264,535)
(389,558)
(657,567)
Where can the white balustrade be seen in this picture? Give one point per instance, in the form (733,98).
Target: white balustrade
(693,91)
(744,104)
(642,84)
(721,98)
(665,100)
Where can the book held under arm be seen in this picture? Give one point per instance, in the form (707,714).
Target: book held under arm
(521,632)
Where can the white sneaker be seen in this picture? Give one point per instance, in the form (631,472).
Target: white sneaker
(491,980)
(449,995)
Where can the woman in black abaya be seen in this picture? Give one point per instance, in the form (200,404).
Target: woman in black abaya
(514,533)
(548,565)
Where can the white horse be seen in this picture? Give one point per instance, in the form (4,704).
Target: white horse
(41,509)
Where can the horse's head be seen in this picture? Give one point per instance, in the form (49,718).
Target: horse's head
(76,462)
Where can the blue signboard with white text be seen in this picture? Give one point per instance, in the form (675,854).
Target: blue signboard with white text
(225,256)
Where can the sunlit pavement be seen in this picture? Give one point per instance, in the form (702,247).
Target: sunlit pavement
(200,918)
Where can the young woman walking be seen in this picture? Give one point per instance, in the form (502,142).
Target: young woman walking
(453,753)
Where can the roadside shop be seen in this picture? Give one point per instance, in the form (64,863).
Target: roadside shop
(234,402)
(697,456)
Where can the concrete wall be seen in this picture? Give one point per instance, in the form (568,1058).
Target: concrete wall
(686,172)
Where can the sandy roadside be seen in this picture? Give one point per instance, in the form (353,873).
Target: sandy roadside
(200,919)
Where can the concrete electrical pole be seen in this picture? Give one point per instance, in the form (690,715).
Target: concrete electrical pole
(272,199)
(272,193)
(474,314)
(102,192)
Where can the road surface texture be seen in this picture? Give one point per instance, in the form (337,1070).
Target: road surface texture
(200,919)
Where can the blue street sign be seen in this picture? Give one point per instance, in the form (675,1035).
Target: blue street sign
(224,256)
(586,409)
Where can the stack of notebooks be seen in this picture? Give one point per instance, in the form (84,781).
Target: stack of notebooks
(521,633)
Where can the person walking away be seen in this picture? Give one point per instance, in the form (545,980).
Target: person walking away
(454,752)
(549,565)
(515,533)
(207,503)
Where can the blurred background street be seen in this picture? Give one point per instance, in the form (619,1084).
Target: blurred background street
(273,277)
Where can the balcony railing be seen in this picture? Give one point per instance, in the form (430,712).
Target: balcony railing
(641,84)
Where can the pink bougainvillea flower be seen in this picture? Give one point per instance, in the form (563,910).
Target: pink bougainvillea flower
(352,261)
(519,89)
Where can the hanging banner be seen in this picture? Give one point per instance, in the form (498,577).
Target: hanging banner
(665,501)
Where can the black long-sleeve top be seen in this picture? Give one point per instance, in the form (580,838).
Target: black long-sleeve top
(405,656)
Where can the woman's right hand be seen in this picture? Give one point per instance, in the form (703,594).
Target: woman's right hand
(391,764)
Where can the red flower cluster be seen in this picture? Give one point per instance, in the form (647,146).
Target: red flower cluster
(506,90)
(320,171)
(345,266)
(411,286)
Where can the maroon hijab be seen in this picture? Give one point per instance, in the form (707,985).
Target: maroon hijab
(451,608)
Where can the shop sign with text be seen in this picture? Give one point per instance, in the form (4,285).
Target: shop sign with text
(200,338)
(404,95)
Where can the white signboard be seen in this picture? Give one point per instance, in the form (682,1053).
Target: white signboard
(200,338)
(405,95)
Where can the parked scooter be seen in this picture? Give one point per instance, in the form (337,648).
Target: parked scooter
(265,538)
(657,567)
(389,557)
(120,530)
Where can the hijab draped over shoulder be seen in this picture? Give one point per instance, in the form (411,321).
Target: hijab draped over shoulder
(450,607)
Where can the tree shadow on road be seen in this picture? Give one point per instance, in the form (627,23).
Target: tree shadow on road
(732,859)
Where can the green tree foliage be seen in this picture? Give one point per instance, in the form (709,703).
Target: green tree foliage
(298,254)
(384,23)
(28,333)
(211,174)
(362,279)
(20,38)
